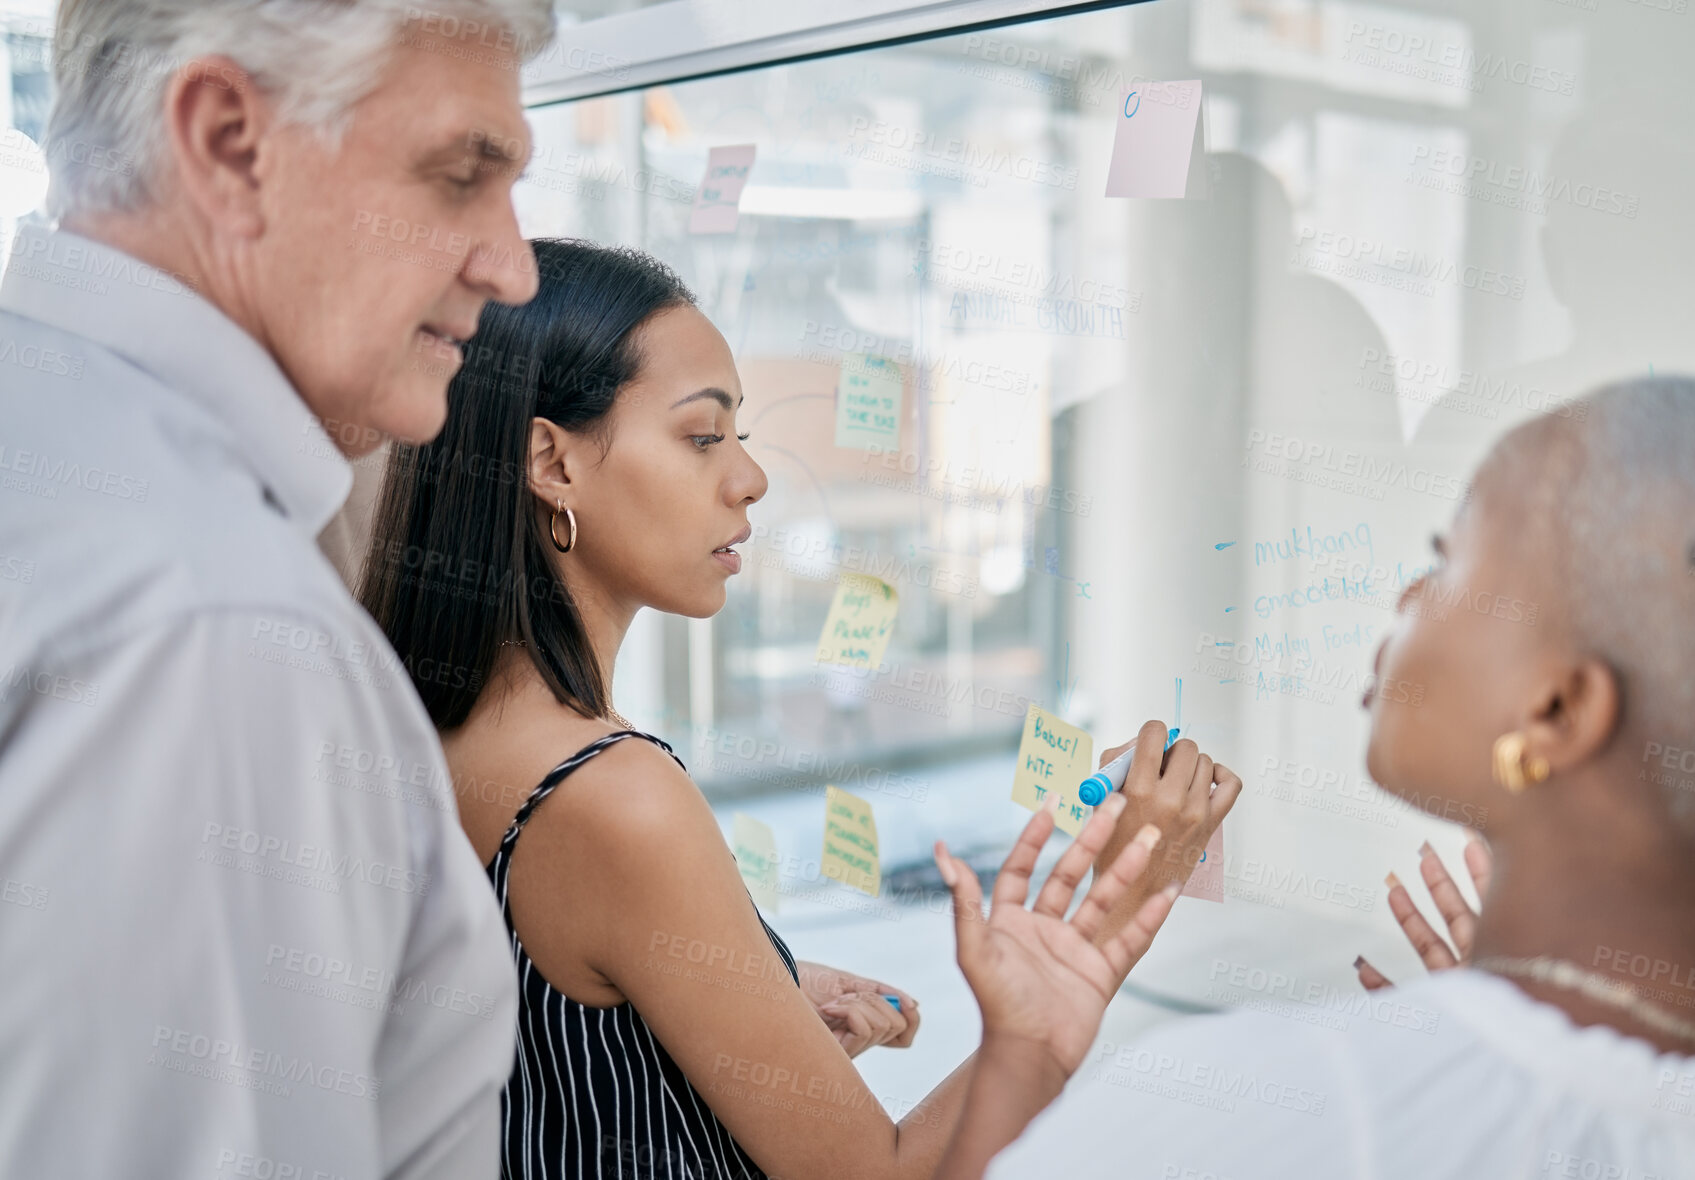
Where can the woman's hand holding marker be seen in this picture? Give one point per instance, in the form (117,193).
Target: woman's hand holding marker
(1179,790)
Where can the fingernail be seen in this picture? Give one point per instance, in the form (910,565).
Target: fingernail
(1425,849)
(1114,804)
(1393,881)
(1359,962)
(1148,837)
(1172,890)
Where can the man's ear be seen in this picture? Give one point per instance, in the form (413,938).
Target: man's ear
(219,126)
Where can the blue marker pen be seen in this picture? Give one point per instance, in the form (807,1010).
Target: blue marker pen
(1106,780)
(895,1000)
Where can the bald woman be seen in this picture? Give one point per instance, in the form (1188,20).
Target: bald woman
(1548,1055)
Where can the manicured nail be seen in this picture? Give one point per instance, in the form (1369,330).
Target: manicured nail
(1359,962)
(943,867)
(1393,881)
(1148,837)
(1425,849)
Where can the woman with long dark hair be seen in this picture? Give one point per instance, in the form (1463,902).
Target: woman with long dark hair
(589,467)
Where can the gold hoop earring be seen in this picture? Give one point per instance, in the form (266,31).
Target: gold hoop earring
(553,528)
(1511,769)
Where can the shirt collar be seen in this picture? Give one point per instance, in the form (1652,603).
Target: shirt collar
(158,323)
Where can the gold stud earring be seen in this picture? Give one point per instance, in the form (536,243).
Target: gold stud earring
(1511,769)
(553,528)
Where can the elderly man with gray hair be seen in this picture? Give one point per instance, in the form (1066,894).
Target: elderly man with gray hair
(243,932)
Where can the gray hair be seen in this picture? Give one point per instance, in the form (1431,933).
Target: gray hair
(317,58)
(1623,528)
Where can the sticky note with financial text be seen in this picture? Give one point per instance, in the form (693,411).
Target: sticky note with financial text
(850,842)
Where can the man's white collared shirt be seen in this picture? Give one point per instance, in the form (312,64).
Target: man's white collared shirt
(241,932)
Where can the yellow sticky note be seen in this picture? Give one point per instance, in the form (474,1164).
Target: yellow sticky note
(755,846)
(1053,758)
(850,842)
(861,619)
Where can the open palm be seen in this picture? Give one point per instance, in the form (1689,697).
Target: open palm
(1037,976)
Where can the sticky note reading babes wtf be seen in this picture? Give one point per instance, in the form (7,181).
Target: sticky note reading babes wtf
(1053,758)
(1159,149)
(756,857)
(850,842)
(868,403)
(717,203)
(861,619)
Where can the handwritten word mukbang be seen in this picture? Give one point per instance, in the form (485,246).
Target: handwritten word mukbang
(1270,552)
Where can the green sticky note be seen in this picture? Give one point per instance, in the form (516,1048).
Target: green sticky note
(868,396)
(756,856)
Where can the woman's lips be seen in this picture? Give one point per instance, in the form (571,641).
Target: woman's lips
(729,559)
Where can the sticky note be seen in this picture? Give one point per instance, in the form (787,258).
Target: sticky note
(850,842)
(1207,881)
(1053,758)
(868,403)
(755,846)
(717,203)
(1159,149)
(861,619)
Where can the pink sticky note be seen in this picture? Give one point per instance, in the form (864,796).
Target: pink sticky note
(717,203)
(1207,881)
(1159,149)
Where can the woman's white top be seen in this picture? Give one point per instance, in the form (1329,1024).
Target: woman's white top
(1457,1075)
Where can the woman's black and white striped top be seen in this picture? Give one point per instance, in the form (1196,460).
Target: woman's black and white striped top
(593,1093)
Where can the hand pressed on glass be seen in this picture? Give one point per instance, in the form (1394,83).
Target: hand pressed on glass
(1039,978)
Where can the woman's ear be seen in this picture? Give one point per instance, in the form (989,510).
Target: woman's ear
(1577,717)
(550,466)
